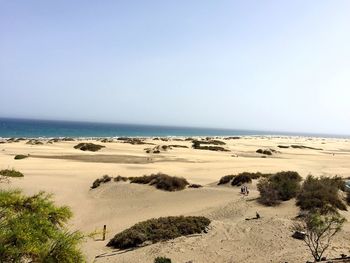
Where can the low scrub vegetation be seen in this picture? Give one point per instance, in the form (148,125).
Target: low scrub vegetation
(195,186)
(162,181)
(32,229)
(320,195)
(120,179)
(88,147)
(348,198)
(305,147)
(20,156)
(278,187)
(11,173)
(162,260)
(283,146)
(242,178)
(102,180)
(156,230)
(264,151)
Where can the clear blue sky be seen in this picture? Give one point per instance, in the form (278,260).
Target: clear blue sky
(266,65)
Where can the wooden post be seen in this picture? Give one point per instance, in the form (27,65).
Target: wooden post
(104,232)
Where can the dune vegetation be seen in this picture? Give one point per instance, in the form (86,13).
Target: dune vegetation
(88,147)
(160,229)
(10,173)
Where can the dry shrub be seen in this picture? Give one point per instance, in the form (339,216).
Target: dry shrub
(99,181)
(162,181)
(88,147)
(161,229)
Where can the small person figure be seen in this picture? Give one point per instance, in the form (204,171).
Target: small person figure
(257,215)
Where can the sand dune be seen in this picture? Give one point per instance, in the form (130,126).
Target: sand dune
(69,173)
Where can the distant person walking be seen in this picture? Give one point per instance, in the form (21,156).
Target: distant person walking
(244,190)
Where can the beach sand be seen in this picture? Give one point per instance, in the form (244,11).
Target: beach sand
(68,173)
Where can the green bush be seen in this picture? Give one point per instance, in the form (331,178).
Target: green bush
(88,147)
(161,181)
(20,156)
(287,184)
(268,194)
(161,229)
(320,195)
(11,173)
(281,186)
(162,260)
(32,229)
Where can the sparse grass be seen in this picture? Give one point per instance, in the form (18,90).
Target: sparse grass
(320,195)
(156,230)
(20,156)
(102,180)
(161,181)
(88,147)
(11,173)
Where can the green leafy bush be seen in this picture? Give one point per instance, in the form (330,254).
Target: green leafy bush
(161,229)
(32,229)
(320,194)
(281,186)
(268,194)
(20,156)
(88,147)
(11,173)
(161,181)
(162,260)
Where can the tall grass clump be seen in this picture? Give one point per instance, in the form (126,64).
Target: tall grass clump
(161,229)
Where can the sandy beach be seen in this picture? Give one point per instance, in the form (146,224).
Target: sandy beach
(68,173)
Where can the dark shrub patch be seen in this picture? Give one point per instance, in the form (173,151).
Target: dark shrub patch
(11,173)
(283,146)
(162,181)
(178,146)
(212,142)
(99,181)
(120,178)
(320,194)
(161,229)
(34,142)
(232,138)
(348,198)
(195,186)
(266,152)
(162,260)
(305,147)
(281,186)
(88,147)
(226,179)
(197,145)
(241,179)
(287,184)
(268,194)
(20,156)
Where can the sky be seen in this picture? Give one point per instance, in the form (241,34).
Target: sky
(259,65)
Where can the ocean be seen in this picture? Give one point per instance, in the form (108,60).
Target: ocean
(48,129)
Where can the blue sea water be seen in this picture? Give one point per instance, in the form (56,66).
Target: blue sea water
(43,128)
